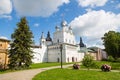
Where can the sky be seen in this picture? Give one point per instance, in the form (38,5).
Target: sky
(89,19)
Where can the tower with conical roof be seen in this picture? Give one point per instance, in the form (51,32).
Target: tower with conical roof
(81,43)
(42,40)
(48,39)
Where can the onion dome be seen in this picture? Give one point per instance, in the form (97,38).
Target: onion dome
(56,27)
(48,37)
(64,23)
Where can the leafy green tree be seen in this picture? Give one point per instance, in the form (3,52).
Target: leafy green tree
(110,58)
(88,61)
(111,42)
(20,53)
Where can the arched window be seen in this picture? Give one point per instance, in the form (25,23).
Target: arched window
(66,40)
(72,59)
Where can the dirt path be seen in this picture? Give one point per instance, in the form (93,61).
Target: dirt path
(26,74)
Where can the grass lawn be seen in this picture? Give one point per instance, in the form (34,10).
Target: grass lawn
(70,74)
(35,66)
(43,65)
(98,64)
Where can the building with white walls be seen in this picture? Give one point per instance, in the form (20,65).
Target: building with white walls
(50,51)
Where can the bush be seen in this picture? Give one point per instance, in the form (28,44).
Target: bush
(105,67)
(76,66)
(111,59)
(118,59)
(115,65)
(88,61)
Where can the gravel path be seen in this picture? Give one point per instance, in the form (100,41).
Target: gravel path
(26,74)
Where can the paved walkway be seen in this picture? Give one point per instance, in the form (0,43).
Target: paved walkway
(26,74)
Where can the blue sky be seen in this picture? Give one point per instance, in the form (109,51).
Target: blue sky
(89,19)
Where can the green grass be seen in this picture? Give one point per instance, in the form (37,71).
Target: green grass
(114,65)
(35,66)
(98,64)
(43,65)
(70,74)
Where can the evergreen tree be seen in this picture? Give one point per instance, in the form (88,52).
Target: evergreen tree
(20,53)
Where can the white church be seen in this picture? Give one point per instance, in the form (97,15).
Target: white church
(63,42)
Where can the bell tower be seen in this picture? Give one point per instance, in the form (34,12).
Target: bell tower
(42,40)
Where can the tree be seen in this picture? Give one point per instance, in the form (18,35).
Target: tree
(20,53)
(88,61)
(111,42)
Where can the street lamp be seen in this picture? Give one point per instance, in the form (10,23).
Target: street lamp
(61,55)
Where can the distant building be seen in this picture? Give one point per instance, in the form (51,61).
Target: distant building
(3,52)
(97,53)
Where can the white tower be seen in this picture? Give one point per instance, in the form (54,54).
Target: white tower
(64,35)
(42,40)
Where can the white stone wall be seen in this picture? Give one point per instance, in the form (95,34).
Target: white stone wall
(39,54)
(69,53)
(54,53)
(69,38)
(58,35)
(72,54)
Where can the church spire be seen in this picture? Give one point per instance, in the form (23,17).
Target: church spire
(48,37)
(42,39)
(42,36)
(81,43)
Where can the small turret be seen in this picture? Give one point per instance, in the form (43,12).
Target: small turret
(42,36)
(42,40)
(81,43)
(48,39)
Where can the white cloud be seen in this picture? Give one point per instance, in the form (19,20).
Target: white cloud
(3,37)
(6,16)
(42,8)
(5,7)
(92,3)
(88,9)
(94,24)
(36,24)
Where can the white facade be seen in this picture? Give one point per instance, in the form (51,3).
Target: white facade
(49,50)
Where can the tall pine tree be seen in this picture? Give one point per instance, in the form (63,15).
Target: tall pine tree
(20,54)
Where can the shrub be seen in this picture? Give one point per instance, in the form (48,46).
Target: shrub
(76,66)
(88,61)
(118,59)
(110,58)
(105,67)
(115,65)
